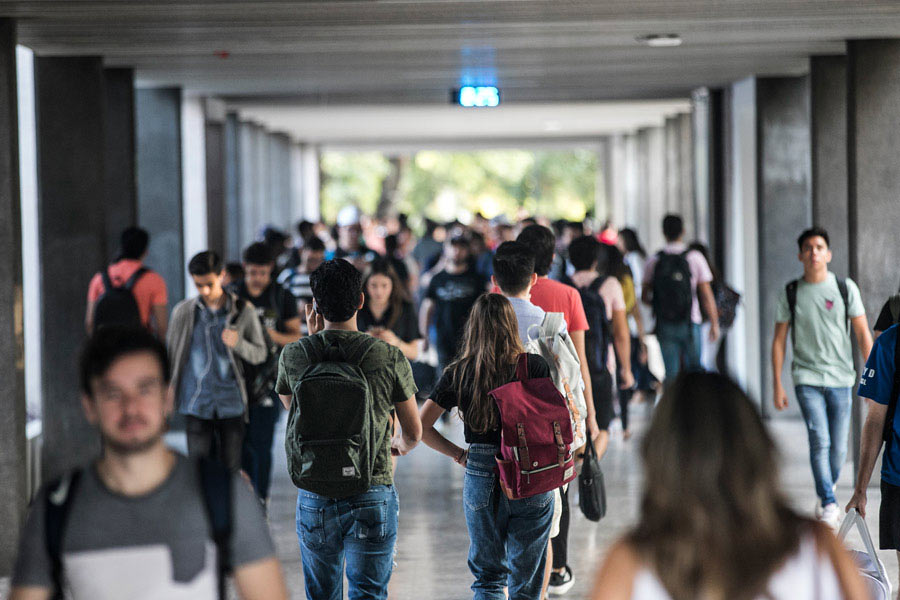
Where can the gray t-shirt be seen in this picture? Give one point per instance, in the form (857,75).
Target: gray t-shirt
(148,547)
(823,354)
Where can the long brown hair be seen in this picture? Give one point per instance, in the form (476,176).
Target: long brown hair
(713,520)
(381,266)
(490,348)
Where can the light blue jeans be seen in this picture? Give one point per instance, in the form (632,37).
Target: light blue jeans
(826,411)
(362,528)
(680,345)
(508,538)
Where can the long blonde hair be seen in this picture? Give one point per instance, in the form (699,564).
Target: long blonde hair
(714,522)
(487,359)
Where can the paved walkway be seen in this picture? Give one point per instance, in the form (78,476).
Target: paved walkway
(432,542)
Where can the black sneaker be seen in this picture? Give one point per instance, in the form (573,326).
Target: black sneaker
(560,583)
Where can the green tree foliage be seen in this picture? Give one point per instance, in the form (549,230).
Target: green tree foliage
(449,185)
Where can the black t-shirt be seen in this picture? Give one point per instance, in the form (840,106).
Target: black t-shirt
(453,297)
(445,396)
(885,318)
(274,306)
(406,327)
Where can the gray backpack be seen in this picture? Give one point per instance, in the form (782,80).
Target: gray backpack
(330,441)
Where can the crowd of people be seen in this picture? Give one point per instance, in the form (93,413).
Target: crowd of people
(370,337)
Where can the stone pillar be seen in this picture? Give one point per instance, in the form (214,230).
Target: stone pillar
(13,500)
(672,185)
(158,140)
(216,183)
(296,201)
(193,176)
(247,188)
(651,194)
(232,188)
(120,209)
(686,173)
(312,211)
(69,96)
(708,175)
(740,214)
(828,126)
(280,181)
(785,203)
(874,180)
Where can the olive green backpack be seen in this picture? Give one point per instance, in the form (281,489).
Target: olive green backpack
(330,439)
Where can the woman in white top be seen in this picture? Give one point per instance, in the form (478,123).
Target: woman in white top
(714,524)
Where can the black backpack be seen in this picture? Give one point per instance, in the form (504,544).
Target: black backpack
(672,295)
(117,305)
(790,291)
(259,380)
(599,333)
(215,483)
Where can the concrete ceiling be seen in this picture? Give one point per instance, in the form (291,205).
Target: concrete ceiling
(404,51)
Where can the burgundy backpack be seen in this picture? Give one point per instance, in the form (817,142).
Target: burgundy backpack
(536,435)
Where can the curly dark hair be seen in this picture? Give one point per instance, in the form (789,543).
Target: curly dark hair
(336,287)
(542,242)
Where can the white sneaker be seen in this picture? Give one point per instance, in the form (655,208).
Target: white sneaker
(818,509)
(831,514)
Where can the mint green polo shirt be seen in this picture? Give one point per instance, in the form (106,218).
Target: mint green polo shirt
(823,353)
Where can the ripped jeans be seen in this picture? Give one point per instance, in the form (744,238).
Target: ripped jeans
(361,529)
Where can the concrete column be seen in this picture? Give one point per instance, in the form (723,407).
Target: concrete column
(631,186)
(280,181)
(686,175)
(311,183)
(651,185)
(233,213)
(214,136)
(785,200)
(193,169)
(616,180)
(69,95)
(296,200)
(708,165)
(13,499)
(740,214)
(828,112)
(158,140)
(121,195)
(247,183)
(262,209)
(672,184)
(874,180)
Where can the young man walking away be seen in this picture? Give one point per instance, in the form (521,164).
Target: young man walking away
(880,383)
(127,292)
(819,310)
(676,281)
(208,337)
(139,521)
(277,311)
(341,387)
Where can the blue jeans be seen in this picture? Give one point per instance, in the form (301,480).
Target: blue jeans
(680,345)
(827,415)
(361,528)
(508,538)
(257,453)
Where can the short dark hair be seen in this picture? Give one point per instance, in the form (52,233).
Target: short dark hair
(810,233)
(235,270)
(133,243)
(513,267)
(673,227)
(542,243)
(204,263)
(258,253)
(112,342)
(314,244)
(336,286)
(305,229)
(584,252)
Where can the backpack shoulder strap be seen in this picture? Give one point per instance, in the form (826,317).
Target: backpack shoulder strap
(522,367)
(894,306)
(216,484)
(360,351)
(887,434)
(57,506)
(596,284)
(107,280)
(552,323)
(134,278)
(790,291)
(845,297)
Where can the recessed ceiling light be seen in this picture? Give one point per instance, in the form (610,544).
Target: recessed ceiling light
(665,40)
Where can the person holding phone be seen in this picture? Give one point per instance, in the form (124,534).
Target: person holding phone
(386,313)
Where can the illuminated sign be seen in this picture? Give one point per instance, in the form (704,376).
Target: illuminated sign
(471,96)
